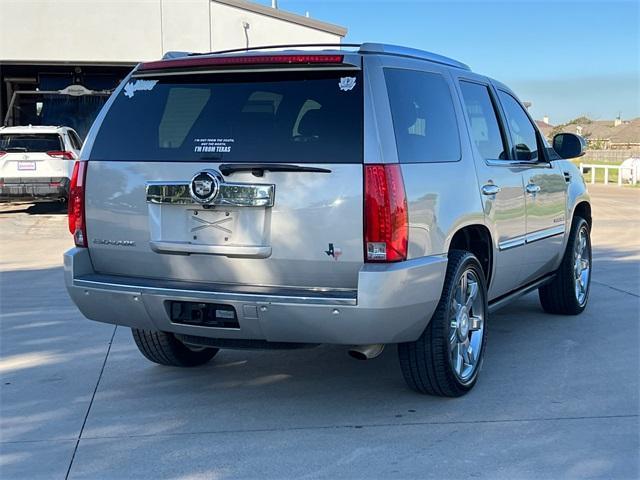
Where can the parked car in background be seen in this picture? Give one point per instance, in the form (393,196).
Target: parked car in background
(283,199)
(36,162)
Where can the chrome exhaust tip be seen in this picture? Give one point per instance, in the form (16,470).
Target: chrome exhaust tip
(366,352)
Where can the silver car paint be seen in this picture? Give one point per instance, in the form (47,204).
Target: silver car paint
(393,303)
(406,292)
(311,211)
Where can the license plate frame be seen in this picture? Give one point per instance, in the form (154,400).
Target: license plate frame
(26,165)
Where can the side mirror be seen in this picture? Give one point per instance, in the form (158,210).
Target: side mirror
(569,145)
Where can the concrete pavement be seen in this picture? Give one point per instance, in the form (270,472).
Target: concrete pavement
(558,396)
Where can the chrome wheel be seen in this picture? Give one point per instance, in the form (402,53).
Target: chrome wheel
(582,265)
(467,326)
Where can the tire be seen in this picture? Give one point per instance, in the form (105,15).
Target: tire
(165,349)
(563,295)
(428,364)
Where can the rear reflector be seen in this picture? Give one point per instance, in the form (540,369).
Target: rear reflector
(77,224)
(62,155)
(189,62)
(385,214)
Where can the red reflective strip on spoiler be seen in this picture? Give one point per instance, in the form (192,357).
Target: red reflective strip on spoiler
(244,60)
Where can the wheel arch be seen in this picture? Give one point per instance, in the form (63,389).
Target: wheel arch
(475,238)
(582,209)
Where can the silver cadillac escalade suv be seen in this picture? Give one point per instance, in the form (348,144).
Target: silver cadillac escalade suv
(290,197)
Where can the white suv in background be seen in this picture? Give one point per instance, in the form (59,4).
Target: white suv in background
(36,162)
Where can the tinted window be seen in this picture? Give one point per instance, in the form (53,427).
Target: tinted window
(297,117)
(74,140)
(485,130)
(30,142)
(424,120)
(523,134)
(78,141)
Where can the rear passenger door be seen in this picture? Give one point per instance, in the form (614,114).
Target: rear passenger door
(500,182)
(545,191)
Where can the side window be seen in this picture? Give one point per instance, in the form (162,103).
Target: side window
(522,131)
(424,119)
(72,140)
(75,141)
(485,130)
(78,141)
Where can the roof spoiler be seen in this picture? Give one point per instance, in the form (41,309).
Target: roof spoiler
(362,48)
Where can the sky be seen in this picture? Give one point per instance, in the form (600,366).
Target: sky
(568,58)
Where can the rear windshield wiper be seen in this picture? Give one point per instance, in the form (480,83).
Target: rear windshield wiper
(258,169)
(16,149)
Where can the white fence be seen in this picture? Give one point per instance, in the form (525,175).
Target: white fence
(631,178)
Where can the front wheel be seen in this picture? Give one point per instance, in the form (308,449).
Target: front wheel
(446,359)
(568,293)
(164,348)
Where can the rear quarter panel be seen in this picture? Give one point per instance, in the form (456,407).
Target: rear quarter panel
(442,197)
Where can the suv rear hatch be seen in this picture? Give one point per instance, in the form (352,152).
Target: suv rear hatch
(281,146)
(28,156)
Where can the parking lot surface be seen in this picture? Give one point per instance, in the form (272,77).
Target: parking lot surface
(558,396)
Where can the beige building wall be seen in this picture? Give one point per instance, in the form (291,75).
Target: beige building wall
(228,29)
(127,31)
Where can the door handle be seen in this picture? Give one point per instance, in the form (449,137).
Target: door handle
(532,188)
(490,189)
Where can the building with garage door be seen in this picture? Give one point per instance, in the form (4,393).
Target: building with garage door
(60,59)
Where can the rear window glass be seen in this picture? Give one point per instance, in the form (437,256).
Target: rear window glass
(30,142)
(282,117)
(424,119)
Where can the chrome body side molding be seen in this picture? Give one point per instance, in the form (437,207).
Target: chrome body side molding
(531,237)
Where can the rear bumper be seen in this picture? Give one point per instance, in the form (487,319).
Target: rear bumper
(393,303)
(34,188)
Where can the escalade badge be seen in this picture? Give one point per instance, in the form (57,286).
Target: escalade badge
(204,186)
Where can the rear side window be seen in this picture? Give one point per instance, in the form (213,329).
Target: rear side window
(485,130)
(75,140)
(424,119)
(523,134)
(30,142)
(281,117)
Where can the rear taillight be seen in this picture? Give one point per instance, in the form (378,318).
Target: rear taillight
(386,229)
(61,154)
(190,62)
(77,224)
(2,154)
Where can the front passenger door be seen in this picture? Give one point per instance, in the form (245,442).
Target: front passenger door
(545,192)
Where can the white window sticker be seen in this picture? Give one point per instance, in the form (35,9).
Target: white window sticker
(213,145)
(132,87)
(347,83)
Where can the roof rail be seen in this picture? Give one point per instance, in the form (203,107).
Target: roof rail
(265,47)
(412,53)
